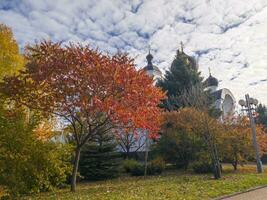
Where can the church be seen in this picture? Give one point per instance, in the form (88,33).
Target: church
(223,97)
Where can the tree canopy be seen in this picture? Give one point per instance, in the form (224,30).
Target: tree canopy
(10,59)
(181,76)
(93,92)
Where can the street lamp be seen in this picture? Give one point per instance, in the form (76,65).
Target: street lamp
(249,106)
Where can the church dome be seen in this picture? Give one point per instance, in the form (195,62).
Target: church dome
(211,81)
(150,66)
(181,55)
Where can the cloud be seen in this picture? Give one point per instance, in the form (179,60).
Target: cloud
(229,36)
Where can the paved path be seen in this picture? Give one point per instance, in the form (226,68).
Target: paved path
(259,194)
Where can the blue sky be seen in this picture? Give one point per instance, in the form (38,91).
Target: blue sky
(228,36)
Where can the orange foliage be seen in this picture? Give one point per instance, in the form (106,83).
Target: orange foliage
(44,131)
(80,83)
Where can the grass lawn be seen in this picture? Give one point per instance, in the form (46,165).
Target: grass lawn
(175,186)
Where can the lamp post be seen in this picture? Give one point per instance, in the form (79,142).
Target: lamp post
(249,105)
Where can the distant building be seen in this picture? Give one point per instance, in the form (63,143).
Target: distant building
(152,70)
(224,99)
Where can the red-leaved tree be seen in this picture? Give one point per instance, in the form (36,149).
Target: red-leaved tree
(91,91)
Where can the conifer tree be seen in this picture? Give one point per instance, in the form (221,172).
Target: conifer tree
(99,159)
(182,75)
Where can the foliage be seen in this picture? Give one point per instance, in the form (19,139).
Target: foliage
(171,186)
(28,165)
(88,89)
(156,166)
(99,159)
(236,141)
(138,170)
(201,99)
(200,126)
(177,146)
(203,164)
(182,75)
(202,167)
(10,59)
(129,164)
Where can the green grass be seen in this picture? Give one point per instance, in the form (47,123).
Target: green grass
(175,186)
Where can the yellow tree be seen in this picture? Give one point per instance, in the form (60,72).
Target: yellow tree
(236,141)
(10,59)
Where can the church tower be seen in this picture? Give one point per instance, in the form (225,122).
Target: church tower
(211,83)
(151,69)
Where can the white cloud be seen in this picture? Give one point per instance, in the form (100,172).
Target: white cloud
(230,36)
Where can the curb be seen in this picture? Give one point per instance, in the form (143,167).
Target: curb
(238,193)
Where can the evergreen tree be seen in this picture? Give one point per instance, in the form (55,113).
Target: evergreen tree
(100,160)
(182,75)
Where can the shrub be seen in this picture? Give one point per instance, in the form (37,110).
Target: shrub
(202,167)
(137,170)
(177,147)
(28,165)
(156,166)
(129,164)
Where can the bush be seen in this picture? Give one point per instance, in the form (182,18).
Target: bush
(129,164)
(156,166)
(202,167)
(28,165)
(138,170)
(177,147)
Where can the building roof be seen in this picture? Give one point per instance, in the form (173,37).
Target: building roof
(211,81)
(150,66)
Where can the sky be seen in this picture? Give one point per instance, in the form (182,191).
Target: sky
(227,36)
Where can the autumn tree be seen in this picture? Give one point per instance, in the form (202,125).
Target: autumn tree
(91,91)
(235,142)
(10,59)
(28,164)
(198,124)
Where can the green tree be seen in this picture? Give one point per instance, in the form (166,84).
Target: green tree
(10,59)
(99,159)
(182,75)
(177,146)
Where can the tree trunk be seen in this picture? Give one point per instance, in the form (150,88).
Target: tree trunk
(75,169)
(216,162)
(235,165)
(127,153)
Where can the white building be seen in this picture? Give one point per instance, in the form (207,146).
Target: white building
(224,99)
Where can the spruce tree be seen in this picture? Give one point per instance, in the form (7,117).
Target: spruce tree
(99,159)
(182,75)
